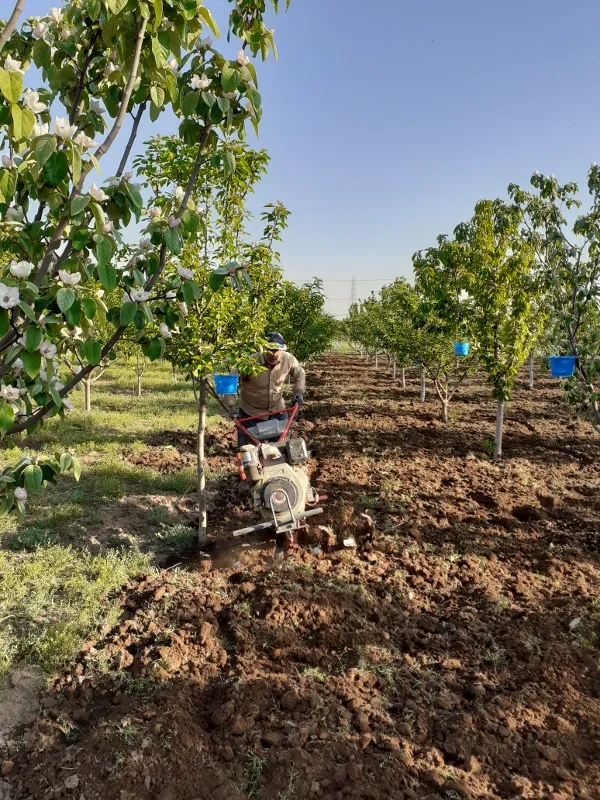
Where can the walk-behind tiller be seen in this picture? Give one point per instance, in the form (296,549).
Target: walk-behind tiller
(276,468)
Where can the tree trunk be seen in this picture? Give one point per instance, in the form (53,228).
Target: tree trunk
(422,385)
(394,370)
(87,392)
(202,527)
(403,378)
(444,411)
(499,427)
(531,376)
(138,386)
(376,359)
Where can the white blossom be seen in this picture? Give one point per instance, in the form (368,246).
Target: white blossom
(200,83)
(154,212)
(9,296)
(139,295)
(63,129)
(76,370)
(95,107)
(179,194)
(128,176)
(100,293)
(173,221)
(7,162)
(67,404)
(17,365)
(230,95)
(164,331)
(132,261)
(127,298)
(20,494)
(22,391)
(55,14)
(108,226)
(184,309)
(110,68)
(69,278)
(204,44)
(242,59)
(12,65)
(48,349)
(171,295)
(21,269)
(14,215)
(41,130)
(65,33)
(41,29)
(10,393)
(85,141)
(174,67)
(31,100)
(145,244)
(99,195)
(186,274)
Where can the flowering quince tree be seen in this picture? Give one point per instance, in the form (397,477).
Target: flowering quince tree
(60,234)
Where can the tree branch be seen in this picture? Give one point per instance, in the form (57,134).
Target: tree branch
(82,74)
(12,23)
(136,121)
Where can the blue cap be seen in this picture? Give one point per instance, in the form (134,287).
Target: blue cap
(275,341)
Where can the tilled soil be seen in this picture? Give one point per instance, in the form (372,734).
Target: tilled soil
(453,654)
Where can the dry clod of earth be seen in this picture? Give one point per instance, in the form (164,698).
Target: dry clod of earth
(434,660)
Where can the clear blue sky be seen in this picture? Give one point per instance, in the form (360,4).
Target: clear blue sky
(386,121)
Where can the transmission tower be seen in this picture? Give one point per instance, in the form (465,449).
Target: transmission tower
(353,292)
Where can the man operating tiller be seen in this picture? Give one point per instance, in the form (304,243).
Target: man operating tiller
(263,393)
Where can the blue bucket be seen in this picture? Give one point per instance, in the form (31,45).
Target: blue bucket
(461,348)
(562,366)
(226,384)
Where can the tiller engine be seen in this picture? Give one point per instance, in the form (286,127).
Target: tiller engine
(276,469)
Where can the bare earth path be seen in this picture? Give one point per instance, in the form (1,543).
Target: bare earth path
(453,654)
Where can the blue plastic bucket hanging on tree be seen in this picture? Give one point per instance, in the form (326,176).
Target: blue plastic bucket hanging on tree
(461,348)
(226,384)
(562,366)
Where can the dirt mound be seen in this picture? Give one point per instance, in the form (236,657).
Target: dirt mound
(453,654)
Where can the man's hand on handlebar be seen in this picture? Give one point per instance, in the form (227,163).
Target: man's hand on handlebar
(299,399)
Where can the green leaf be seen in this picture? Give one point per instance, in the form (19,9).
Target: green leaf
(56,168)
(55,396)
(31,363)
(104,251)
(229,163)
(65,298)
(89,307)
(99,217)
(28,311)
(33,338)
(107,275)
(41,54)
(7,415)
(8,184)
(4,321)
(75,163)
(128,312)
(79,204)
(173,240)
(11,85)
(157,95)
(189,103)
(159,52)
(136,197)
(17,121)
(27,122)
(208,18)
(65,461)
(73,314)
(229,78)
(216,279)
(116,6)
(93,352)
(154,348)
(76,469)
(33,478)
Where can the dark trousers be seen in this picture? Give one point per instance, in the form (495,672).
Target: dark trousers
(243,439)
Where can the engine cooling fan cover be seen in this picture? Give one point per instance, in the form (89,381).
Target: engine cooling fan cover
(274,493)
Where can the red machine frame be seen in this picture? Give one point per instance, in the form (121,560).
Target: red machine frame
(292,411)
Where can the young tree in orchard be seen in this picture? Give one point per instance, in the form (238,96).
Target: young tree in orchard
(568,261)
(98,61)
(505,314)
(441,318)
(298,314)
(398,303)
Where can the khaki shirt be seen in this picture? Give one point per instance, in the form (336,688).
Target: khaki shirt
(264,392)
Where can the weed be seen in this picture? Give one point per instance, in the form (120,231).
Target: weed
(488,447)
(368,501)
(176,538)
(290,791)
(31,539)
(315,673)
(253,773)
(503,603)
(496,656)
(128,732)
(67,727)
(53,598)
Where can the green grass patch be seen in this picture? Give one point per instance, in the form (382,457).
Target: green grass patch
(53,599)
